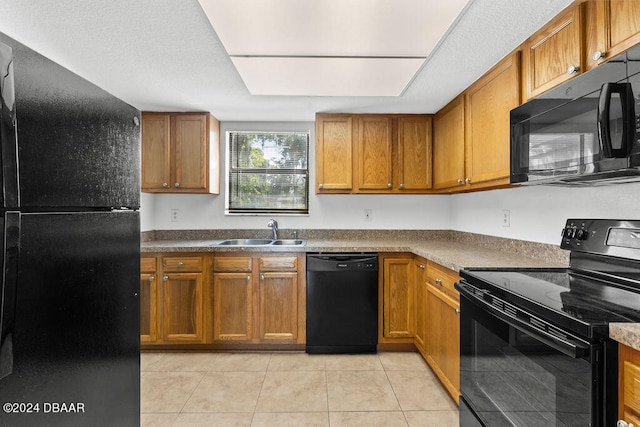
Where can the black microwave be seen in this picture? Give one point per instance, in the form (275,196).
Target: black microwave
(585,131)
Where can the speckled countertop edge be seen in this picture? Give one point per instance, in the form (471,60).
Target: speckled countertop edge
(626,333)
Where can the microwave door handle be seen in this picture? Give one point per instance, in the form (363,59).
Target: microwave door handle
(625,92)
(572,349)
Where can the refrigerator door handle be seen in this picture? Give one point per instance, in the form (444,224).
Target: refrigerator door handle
(11,250)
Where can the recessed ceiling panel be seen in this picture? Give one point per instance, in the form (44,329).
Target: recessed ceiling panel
(272,41)
(331,27)
(326,76)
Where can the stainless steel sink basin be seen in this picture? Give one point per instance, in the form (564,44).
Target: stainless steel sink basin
(290,242)
(246,242)
(262,242)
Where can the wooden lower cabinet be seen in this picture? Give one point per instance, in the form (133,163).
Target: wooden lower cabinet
(172,309)
(397,311)
(420,304)
(258,299)
(443,343)
(629,385)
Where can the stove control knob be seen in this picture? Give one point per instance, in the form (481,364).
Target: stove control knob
(569,232)
(582,234)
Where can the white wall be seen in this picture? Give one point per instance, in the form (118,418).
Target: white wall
(537,213)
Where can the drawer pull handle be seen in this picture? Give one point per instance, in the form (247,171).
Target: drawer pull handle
(180,263)
(573,69)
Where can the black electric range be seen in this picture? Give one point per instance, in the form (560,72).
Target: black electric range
(522,319)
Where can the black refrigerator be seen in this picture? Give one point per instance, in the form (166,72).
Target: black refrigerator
(70,256)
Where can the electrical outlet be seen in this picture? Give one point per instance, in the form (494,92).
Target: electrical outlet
(506,218)
(367,215)
(175,215)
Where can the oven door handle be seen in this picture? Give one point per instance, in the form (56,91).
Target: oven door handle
(575,348)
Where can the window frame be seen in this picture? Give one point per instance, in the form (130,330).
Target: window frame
(230,171)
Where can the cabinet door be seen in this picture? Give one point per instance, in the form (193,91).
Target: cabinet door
(183,307)
(554,54)
(448,146)
(420,303)
(613,27)
(156,151)
(191,152)
(148,312)
(414,153)
(628,381)
(443,352)
(334,153)
(232,307)
(488,112)
(374,153)
(398,298)
(279,305)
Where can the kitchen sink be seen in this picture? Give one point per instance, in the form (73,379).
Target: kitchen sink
(262,242)
(290,242)
(246,242)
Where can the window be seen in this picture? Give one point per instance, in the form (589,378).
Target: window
(268,172)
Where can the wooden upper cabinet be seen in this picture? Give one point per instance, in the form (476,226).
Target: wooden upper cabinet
(555,53)
(414,153)
(612,26)
(156,151)
(489,102)
(448,146)
(334,153)
(180,153)
(373,153)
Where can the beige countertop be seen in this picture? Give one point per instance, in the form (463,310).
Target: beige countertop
(626,333)
(451,254)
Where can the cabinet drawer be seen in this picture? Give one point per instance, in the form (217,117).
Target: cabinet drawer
(182,264)
(443,279)
(232,264)
(279,263)
(148,265)
(632,386)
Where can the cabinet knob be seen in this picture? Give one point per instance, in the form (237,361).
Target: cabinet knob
(421,266)
(460,181)
(438,281)
(573,69)
(151,278)
(401,186)
(248,278)
(177,184)
(389,185)
(598,55)
(320,186)
(165,185)
(262,277)
(180,263)
(467,180)
(622,423)
(457,311)
(165,278)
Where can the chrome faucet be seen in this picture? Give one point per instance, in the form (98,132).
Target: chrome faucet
(273,224)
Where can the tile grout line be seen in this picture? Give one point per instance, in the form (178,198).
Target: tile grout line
(394,392)
(266,369)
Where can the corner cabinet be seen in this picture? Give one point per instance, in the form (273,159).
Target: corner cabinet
(373,153)
(629,385)
(180,153)
(397,308)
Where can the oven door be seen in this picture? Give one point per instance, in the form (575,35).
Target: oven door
(514,375)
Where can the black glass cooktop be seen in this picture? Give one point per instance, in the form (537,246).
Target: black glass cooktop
(571,299)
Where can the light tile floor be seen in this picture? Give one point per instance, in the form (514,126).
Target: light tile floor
(292,389)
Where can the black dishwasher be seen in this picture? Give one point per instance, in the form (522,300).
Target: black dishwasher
(342,302)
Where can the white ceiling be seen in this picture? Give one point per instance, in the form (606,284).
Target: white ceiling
(164,55)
